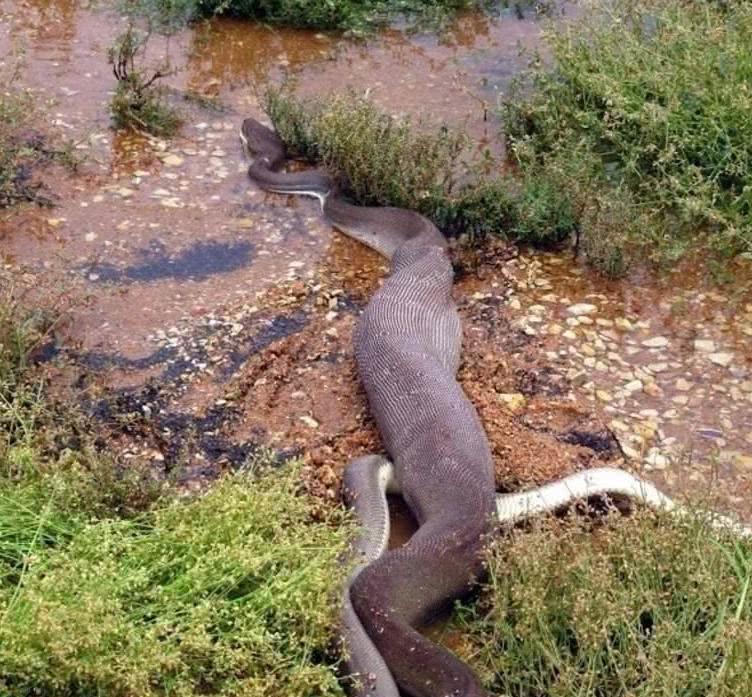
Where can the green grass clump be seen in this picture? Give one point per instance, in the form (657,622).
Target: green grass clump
(112,584)
(646,606)
(233,593)
(648,103)
(384,161)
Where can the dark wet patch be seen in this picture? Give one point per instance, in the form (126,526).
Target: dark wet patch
(45,352)
(196,263)
(143,414)
(491,315)
(601,442)
(181,362)
(280,327)
(541,381)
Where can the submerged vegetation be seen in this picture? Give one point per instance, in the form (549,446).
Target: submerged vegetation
(646,606)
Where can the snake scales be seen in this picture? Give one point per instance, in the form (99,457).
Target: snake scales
(407,348)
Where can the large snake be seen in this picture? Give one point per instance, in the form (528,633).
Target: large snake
(407,348)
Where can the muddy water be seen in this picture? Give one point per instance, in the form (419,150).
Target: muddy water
(142,202)
(212,317)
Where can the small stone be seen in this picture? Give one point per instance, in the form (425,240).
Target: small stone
(721,359)
(90,236)
(603,396)
(173,160)
(514,400)
(656,460)
(704,345)
(652,389)
(656,342)
(633,386)
(515,304)
(581,309)
(680,399)
(683,385)
(646,430)
(309,421)
(624,324)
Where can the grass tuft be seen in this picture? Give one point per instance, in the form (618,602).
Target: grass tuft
(231,593)
(139,100)
(641,607)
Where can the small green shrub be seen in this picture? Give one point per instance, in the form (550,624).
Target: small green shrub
(646,606)
(654,98)
(139,101)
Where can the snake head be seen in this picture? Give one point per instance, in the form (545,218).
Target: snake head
(261,142)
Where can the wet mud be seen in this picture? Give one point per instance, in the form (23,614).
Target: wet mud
(208,319)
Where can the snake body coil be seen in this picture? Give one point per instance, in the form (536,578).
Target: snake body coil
(407,348)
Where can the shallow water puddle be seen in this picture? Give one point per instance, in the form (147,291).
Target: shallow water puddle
(139,194)
(216,317)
